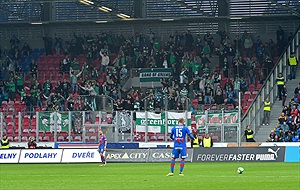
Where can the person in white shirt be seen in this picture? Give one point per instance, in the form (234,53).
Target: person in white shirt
(104,60)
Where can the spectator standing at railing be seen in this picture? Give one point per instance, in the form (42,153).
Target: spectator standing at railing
(280,83)
(293,62)
(267,110)
(283,95)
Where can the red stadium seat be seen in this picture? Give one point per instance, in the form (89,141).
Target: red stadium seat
(93,139)
(247,95)
(9,118)
(161,138)
(16,139)
(60,138)
(254,93)
(24,139)
(10,139)
(77,138)
(46,138)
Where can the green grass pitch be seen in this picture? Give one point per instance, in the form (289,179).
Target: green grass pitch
(139,176)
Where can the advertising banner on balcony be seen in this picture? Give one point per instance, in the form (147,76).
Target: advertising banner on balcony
(156,122)
(216,118)
(154,75)
(54,120)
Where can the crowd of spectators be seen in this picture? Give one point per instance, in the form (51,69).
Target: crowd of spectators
(288,129)
(207,71)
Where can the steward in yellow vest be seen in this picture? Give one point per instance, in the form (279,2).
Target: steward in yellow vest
(4,143)
(267,106)
(207,141)
(280,83)
(267,110)
(249,134)
(293,62)
(195,143)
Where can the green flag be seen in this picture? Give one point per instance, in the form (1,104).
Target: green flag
(54,120)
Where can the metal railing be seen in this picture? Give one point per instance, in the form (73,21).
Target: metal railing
(120,126)
(254,114)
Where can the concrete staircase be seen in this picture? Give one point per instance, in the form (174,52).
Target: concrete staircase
(263,132)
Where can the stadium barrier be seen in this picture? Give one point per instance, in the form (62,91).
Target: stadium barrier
(233,154)
(244,154)
(85,155)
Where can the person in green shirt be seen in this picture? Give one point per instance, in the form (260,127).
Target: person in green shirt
(47,87)
(172,58)
(11,90)
(19,81)
(22,92)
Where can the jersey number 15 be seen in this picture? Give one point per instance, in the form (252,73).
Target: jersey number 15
(178,132)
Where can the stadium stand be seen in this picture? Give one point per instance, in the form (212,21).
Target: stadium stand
(208,69)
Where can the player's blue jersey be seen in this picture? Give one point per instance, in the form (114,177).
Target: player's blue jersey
(178,134)
(102,140)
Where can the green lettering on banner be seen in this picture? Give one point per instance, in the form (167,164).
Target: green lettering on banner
(50,121)
(156,122)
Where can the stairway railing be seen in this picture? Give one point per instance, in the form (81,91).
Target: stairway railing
(254,114)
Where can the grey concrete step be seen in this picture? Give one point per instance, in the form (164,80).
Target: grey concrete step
(262,133)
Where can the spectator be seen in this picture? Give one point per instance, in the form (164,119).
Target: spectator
(48,44)
(230,97)
(281,136)
(297,90)
(219,100)
(282,118)
(248,43)
(104,60)
(74,80)
(294,111)
(272,135)
(280,33)
(31,143)
(284,127)
(283,95)
(208,93)
(293,127)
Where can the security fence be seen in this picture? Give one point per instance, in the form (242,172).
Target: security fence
(119,126)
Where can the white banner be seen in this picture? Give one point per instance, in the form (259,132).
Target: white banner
(9,156)
(41,155)
(80,155)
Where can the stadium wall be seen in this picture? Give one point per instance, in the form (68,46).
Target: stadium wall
(87,155)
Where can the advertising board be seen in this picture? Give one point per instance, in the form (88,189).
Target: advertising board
(9,156)
(41,156)
(245,154)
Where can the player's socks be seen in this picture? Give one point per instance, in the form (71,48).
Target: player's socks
(181,165)
(172,165)
(103,159)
